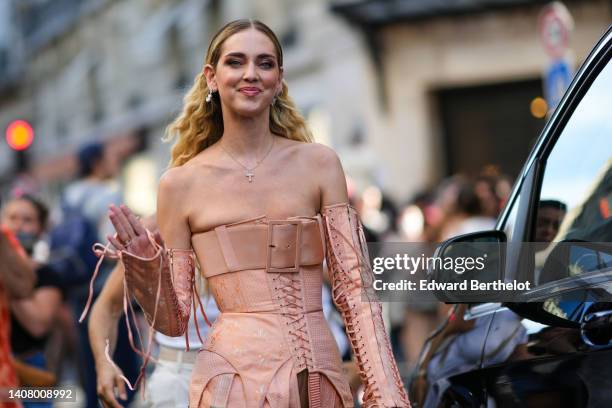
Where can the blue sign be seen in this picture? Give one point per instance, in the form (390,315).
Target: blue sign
(557,79)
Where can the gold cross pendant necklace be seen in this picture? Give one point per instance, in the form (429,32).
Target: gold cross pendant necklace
(248,171)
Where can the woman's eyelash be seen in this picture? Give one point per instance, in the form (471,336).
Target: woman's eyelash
(264,64)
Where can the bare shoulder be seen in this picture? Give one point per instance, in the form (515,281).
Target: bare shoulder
(324,162)
(175,181)
(322,157)
(171,201)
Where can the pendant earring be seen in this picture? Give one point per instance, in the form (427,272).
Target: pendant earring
(209,96)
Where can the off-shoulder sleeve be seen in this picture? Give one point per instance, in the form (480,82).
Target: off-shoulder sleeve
(351,276)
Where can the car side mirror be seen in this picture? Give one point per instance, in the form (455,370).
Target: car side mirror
(465,264)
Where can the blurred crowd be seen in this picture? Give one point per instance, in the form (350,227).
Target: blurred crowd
(458,205)
(47,265)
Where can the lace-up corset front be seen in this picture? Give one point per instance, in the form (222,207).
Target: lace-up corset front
(266,277)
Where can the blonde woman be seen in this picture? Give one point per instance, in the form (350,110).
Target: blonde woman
(256,204)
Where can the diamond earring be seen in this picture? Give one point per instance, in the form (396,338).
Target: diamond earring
(209,96)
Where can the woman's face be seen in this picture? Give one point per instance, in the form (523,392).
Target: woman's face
(247,75)
(20,216)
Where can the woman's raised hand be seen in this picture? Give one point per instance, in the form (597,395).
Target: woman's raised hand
(131,234)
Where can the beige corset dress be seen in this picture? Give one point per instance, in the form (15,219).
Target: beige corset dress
(266,278)
(271,345)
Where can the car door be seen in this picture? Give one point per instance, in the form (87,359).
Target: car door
(562,213)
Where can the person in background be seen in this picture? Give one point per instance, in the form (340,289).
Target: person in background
(91,194)
(548,221)
(94,189)
(413,316)
(485,189)
(471,212)
(17,279)
(32,317)
(550,215)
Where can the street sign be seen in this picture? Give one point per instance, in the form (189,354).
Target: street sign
(557,79)
(555,24)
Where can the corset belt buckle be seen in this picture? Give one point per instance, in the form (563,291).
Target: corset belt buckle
(270,247)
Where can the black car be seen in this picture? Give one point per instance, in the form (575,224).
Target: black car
(550,345)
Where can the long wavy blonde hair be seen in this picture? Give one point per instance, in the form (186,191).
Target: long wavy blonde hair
(200,124)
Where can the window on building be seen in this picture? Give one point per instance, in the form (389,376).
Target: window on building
(95,93)
(488,125)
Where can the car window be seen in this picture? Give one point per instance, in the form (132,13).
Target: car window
(575,201)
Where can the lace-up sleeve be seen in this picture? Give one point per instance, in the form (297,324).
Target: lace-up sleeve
(351,277)
(163,287)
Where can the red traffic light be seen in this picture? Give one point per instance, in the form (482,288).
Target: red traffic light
(19,135)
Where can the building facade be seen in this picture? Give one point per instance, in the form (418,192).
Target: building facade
(407,92)
(456,79)
(116,71)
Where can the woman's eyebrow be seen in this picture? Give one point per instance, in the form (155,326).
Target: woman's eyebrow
(235,54)
(266,56)
(243,55)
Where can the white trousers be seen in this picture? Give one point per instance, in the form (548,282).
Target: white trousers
(168,386)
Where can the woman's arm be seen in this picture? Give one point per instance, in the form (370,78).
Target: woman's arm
(349,269)
(37,313)
(105,315)
(159,274)
(102,325)
(172,217)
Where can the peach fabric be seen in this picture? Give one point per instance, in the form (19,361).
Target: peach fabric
(270,345)
(352,291)
(266,277)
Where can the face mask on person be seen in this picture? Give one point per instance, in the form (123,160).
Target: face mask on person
(27,241)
